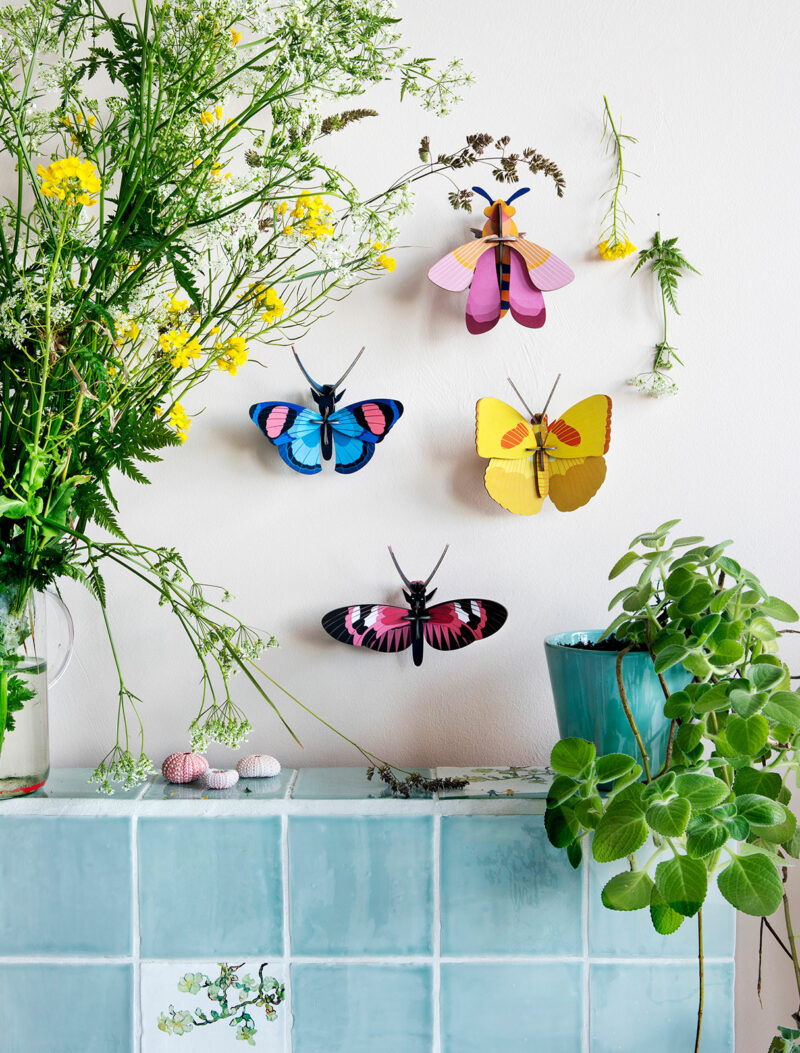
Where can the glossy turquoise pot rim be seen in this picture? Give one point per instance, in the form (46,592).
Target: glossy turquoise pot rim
(562,641)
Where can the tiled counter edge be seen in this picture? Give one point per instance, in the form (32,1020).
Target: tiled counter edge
(384,918)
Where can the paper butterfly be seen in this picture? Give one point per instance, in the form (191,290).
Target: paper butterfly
(303,435)
(445,626)
(531,458)
(512,276)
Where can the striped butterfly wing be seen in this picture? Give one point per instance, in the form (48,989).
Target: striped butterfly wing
(293,430)
(374,625)
(358,427)
(457,623)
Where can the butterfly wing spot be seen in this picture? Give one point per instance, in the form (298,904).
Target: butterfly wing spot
(514,436)
(565,433)
(374,418)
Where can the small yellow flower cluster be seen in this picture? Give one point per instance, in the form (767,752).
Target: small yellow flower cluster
(312,214)
(180,346)
(233,353)
(266,297)
(175,306)
(179,419)
(71,180)
(128,330)
(207,117)
(387,262)
(67,122)
(235,37)
(617,250)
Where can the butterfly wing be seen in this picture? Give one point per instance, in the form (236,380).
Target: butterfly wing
(573,482)
(547,271)
(513,484)
(583,431)
(455,270)
(358,427)
(457,623)
(483,302)
(373,625)
(293,430)
(501,431)
(525,301)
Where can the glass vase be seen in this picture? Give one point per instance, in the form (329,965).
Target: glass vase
(31,662)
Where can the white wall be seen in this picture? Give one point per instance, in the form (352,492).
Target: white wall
(711,92)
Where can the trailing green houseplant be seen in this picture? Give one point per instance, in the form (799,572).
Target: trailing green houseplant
(717,810)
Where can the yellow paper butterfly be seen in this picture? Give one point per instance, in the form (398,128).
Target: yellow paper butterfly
(529,459)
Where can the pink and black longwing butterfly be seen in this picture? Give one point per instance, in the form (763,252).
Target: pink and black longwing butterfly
(445,626)
(303,436)
(504,271)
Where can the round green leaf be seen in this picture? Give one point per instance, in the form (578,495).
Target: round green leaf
(561,789)
(589,811)
(669,818)
(784,708)
(622,829)
(701,791)
(726,652)
(572,756)
(764,676)
(712,699)
(696,599)
(751,884)
(669,657)
(575,854)
(762,629)
(697,665)
(746,703)
(613,765)
(628,891)
(754,780)
(779,609)
(678,706)
(665,920)
(704,835)
(689,735)
(678,583)
(778,832)
(759,810)
(747,735)
(561,825)
(683,884)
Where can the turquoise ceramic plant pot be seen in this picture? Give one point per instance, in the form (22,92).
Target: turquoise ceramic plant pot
(587,697)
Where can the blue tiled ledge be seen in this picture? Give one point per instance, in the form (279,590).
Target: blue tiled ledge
(440,924)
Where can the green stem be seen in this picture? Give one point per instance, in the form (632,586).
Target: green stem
(792,941)
(634,727)
(701,979)
(3,705)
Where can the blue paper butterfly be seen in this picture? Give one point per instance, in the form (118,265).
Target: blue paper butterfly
(302,436)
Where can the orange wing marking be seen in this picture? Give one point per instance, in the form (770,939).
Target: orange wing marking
(566,433)
(514,436)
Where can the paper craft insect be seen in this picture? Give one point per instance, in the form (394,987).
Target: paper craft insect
(506,271)
(303,435)
(531,458)
(445,626)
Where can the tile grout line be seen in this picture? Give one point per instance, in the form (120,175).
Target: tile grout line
(137,944)
(288,1023)
(586,1042)
(436,945)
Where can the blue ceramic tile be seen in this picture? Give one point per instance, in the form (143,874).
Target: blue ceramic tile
(362,1008)
(506,890)
(630,934)
(210,888)
(653,1007)
(73,876)
(244,790)
(512,1007)
(360,885)
(74,782)
(337,784)
(66,1008)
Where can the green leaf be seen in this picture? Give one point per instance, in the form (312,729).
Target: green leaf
(753,780)
(612,766)
(622,830)
(712,700)
(622,565)
(665,920)
(628,891)
(683,884)
(185,278)
(746,703)
(561,789)
(759,810)
(783,707)
(561,826)
(701,791)
(678,706)
(704,835)
(763,676)
(572,756)
(777,833)
(747,735)
(669,818)
(589,811)
(698,666)
(575,854)
(705,626)
(688,736)
(751,884)
(678,583)
(762,629)
(780,610)
(792,846)
(726,652)
(664,529)
(669,657)
(696,599)
(11,508)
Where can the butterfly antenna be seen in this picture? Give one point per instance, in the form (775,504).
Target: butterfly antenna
(312,382)
(439,563)
(399,569)
(482,192)
(555,385)
(518,193)
(344,375)
(521,399)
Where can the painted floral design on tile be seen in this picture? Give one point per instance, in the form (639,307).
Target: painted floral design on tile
(500,782)
(266,993)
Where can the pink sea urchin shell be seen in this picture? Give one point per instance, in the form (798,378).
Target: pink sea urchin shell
(183,767)
(220,778)
(258,766)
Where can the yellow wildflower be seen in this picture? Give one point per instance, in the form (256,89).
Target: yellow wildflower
(266,297)
(218,113)
(179,419)
(235,37)
(233,354)
(379,246)
(288,230)
(129,331)
(387,262)
(617,250)
(314,212)
(70,180)
(206,118)
(180,346)
(281,209)
(90,120)
(214,330)
(175,306)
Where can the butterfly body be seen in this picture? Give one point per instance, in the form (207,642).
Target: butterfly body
(445,626)
(304,437)
(504,271)
(531,459)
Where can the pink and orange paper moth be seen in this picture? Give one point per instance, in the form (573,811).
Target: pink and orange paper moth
(510,277)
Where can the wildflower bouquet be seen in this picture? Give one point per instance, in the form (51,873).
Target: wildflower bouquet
(169,208)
